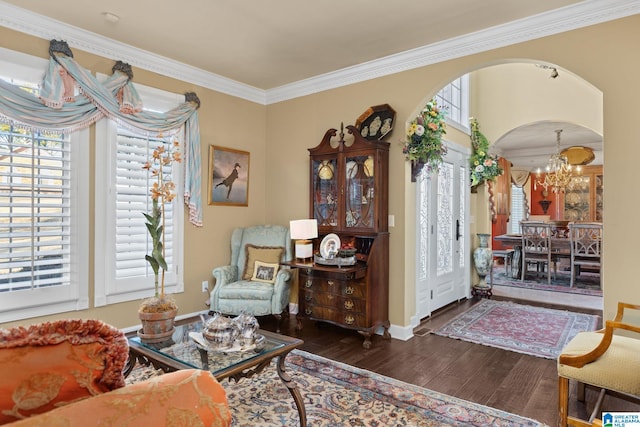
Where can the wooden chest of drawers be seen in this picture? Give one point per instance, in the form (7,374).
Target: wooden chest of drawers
(344,297)
(336,297)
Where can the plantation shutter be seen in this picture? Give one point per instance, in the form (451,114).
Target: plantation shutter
(132,199)
(517,208)
(34,209)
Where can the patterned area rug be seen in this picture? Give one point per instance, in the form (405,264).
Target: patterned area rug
(589,283)
(338,395)
(536,331)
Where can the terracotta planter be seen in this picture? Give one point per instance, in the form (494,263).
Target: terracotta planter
(157,327)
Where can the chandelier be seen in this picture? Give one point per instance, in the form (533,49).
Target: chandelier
(559,172)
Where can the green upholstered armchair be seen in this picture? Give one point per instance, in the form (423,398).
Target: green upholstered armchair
(254,282)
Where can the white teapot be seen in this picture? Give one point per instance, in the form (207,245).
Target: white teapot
(220,332)
(247,326)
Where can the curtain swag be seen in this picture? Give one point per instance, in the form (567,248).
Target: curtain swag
(59,108)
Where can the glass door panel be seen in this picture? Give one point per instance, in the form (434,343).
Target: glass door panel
(360,188)
(325,188)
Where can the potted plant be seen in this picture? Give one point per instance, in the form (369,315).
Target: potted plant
(484,167)
(423,146)
(158,313)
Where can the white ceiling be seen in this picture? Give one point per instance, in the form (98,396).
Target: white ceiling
(268,51)
(529,146)
(266,44)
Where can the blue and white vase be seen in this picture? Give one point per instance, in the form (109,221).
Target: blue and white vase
(482,259)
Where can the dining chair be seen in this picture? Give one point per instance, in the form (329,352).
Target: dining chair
(586,247)
(536,247)
(607,360)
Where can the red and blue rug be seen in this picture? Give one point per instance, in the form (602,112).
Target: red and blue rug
(536,331)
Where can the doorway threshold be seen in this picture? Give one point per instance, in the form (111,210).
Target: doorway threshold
(587,302)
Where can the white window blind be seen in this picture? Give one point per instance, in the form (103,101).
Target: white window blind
(517,209)
(121,270)
(34,209)
(132,198)
(43,210)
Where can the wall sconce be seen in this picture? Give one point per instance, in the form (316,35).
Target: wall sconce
(302,230)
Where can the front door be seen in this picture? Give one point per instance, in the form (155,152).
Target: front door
(443,261)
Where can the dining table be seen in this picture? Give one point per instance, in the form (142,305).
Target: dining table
(560,244)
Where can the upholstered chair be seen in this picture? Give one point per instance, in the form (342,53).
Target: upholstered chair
(255,282)
(608,360)
(70,373)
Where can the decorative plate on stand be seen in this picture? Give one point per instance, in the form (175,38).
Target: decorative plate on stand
(330,246)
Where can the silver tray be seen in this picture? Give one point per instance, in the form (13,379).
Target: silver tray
(335,261)
(201,342)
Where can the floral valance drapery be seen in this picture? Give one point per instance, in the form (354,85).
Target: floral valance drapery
(58,108)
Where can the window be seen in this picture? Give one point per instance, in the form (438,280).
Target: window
(455,98)
(43,210)
(517,209)
(122,195)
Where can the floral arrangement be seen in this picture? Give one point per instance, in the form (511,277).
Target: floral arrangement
(162,192)
(484,166)
(424,137)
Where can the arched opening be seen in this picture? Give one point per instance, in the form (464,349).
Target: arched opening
(537,98)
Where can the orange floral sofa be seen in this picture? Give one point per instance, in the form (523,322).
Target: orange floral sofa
(70,373)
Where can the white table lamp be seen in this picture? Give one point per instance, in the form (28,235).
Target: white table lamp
(302,230)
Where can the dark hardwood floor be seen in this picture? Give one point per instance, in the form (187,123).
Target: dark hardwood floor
(513,382)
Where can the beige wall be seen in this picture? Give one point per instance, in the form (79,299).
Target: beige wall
(603,55)
(515,94)
(278,137)
(510,95)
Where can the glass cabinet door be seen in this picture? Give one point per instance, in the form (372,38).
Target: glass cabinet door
(577,201)
(360,191)
(325,189)
(599,195)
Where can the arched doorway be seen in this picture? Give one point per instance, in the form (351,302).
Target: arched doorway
(534,97)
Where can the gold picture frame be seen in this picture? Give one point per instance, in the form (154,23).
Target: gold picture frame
(228,176)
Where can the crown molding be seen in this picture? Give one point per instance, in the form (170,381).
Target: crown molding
(37,25)
(583,14)
(586,13)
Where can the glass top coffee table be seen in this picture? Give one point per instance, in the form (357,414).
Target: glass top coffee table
(181,352)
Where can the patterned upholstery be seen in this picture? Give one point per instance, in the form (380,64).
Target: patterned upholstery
(190,397)
(70,373)
(232,295)
(612,370)
(55,363)
(602,359)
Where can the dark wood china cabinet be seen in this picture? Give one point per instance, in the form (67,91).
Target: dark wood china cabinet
(349,198)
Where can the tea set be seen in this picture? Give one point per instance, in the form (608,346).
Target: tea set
(225,334)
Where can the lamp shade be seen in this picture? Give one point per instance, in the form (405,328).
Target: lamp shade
(303,229)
